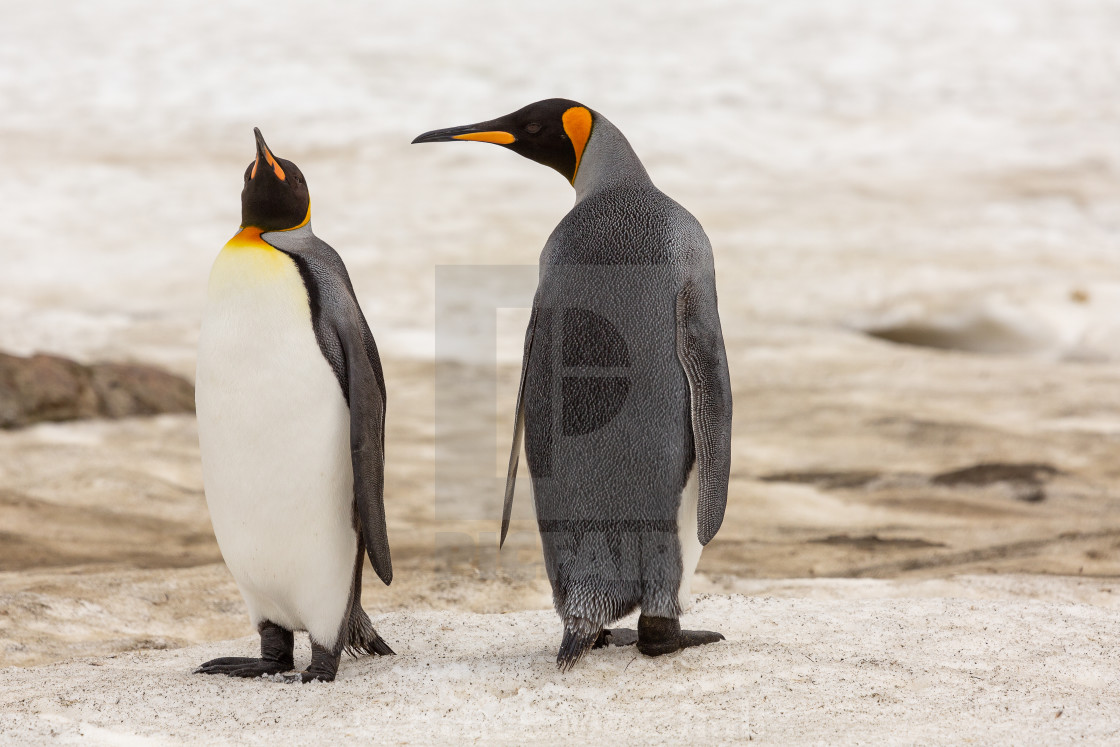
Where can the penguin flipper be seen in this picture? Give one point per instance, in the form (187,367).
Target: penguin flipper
(347,344)
(701,353)
(518,431)
(367,439)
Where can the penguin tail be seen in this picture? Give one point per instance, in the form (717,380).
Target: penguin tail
(579,637)
(361,638)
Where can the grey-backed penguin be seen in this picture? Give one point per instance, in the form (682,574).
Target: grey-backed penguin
(291,422)
(625,399)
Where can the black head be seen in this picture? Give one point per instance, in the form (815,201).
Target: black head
(553,132)
(275,196)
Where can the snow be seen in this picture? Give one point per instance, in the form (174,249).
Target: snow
(842,670)
(843,156)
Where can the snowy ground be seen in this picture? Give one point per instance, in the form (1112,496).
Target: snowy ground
(937,172)
(845,669)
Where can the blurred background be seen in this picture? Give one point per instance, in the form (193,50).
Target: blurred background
(915,211)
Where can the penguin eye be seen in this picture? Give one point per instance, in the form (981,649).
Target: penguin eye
(533,128)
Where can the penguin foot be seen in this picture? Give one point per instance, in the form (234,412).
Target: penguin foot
(244,666)
(616,637)
(324,664)
(323,667)
(663,635)
(276,656)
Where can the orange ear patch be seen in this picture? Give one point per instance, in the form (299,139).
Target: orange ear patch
(275,166)
(271,162)
(498,137)
(577,124)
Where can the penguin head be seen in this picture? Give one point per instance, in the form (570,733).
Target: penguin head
(275,197)
(553,132)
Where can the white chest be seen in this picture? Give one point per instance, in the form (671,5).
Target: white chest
(274,431)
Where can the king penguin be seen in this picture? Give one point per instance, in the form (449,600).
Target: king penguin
(291,422)
(624,403)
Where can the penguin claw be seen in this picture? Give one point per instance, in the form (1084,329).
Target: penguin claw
(691,638)
(208,667)
(242,666)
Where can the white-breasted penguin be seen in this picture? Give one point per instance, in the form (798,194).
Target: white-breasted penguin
(625,397)
(291,423)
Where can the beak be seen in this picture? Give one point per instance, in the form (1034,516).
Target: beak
(483,132)
(265,155)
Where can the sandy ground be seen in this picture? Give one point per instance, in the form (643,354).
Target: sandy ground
(95,513)
(915,212)
(854,662)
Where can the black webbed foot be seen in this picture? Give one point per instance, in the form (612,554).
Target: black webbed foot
(243,666)
(323,667)
(224,661)
(276,656)
(663,635)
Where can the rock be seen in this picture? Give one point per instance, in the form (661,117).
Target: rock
(52,388)
(125,389)
(43,387)
(987,473)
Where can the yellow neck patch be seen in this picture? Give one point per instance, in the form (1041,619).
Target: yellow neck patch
(577,125)
(248,237)
(247,260)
